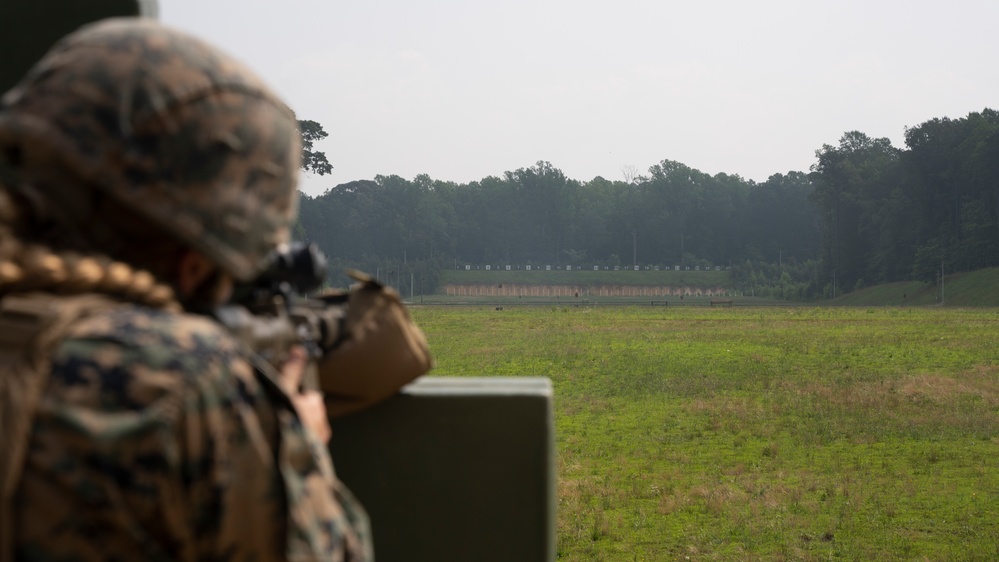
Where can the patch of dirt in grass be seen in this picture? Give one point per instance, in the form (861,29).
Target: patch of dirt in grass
(859,395)
(913,404)
(982,382)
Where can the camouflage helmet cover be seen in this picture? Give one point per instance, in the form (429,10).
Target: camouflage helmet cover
(169,126)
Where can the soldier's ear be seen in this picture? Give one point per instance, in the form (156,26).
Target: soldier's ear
(193,269)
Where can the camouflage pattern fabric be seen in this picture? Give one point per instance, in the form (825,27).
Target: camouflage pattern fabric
(170,127)
(156,440)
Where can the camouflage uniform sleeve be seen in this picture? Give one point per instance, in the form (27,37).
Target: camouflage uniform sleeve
(156,440)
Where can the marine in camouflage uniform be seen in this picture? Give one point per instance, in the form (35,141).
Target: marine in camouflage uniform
(134,429)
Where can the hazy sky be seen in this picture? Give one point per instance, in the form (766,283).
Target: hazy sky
(464,89)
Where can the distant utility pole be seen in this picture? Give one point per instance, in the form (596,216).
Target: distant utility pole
(941,282)
(634,247)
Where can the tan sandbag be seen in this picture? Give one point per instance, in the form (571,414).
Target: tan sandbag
(381,351)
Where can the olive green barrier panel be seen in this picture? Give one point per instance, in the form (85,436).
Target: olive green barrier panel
(455,469)
(29,27)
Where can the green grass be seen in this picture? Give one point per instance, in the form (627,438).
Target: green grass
(903,293)
(976,288)
(756,433)
(972,289)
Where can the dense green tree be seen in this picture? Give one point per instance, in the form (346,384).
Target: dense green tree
(850,181)
(954,167)
(783,222)
(313,160)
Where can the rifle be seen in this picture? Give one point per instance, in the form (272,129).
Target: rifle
(362,345)
(272,312)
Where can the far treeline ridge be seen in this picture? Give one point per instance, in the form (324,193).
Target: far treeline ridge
(866,213)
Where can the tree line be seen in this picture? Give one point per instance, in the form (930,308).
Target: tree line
(675,216)
(891,214)
(865,213)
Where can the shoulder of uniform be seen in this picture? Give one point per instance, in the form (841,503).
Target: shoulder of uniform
(137,342)
(130,323)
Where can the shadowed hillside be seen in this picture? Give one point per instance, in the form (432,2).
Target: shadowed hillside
(974,288)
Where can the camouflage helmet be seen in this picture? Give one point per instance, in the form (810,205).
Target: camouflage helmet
(168,126)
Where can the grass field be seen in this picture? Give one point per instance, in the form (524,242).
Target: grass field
(756,433)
